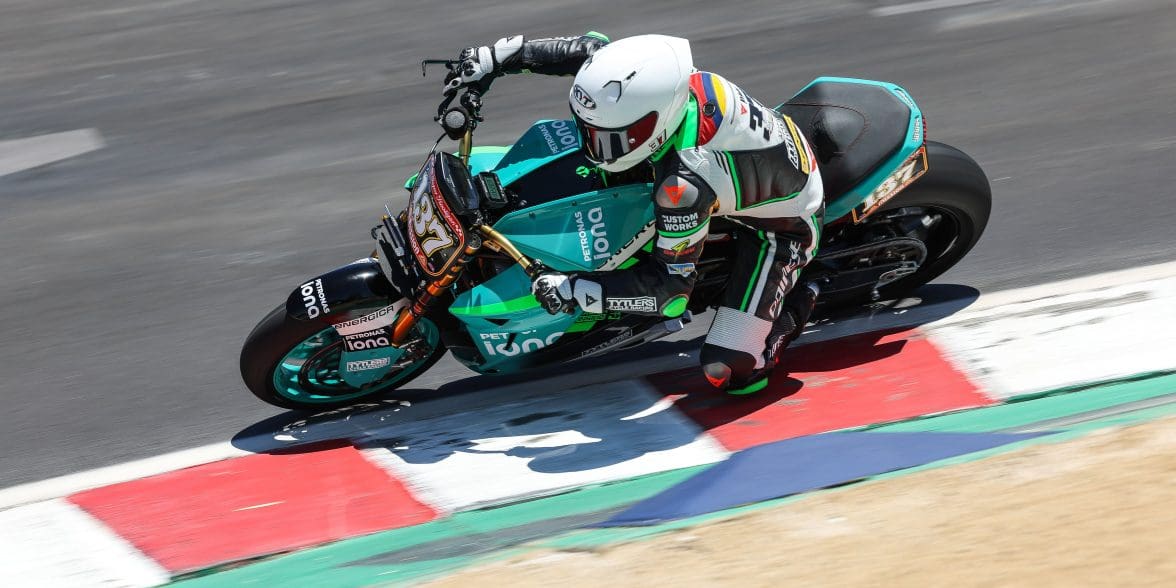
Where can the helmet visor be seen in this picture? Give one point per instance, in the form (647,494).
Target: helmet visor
(608,145)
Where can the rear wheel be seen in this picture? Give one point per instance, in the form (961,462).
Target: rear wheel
(947,209)
(295,364)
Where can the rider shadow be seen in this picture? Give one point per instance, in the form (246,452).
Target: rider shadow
(600,428)
(556,432)
(573,428)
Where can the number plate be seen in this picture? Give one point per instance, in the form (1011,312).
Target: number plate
(434,232)
(911,169)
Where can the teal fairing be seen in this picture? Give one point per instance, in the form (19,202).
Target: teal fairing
(579,233)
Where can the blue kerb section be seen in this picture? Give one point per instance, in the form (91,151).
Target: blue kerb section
(858,194)
(800,465)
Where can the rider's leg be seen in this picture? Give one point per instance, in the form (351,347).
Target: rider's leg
(761,313)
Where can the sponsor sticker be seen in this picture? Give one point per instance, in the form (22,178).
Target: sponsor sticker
(366,340)
(796,156)
(593,234)
(680,269)
(512,344)
(680,222)
(314,298)
(364,365)
(563,139)
(592,317)
(368,322)
(656,142)
(793,155)
(902,95)
(640,304)
(596,348)
(582,98)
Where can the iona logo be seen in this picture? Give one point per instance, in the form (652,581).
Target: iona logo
(582,98)
(593,234)
(510,348)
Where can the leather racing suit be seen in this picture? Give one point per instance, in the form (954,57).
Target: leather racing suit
(732,158)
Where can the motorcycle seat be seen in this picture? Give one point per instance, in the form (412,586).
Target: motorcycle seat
(852,128)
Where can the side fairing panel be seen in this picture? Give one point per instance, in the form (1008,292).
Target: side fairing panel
(582,232)
(578,233)
(506,322)
(545,141)
(486,158)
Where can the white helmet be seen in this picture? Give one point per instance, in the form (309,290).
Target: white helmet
(629,97)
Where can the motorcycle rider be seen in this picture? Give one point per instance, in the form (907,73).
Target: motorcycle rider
(713,151)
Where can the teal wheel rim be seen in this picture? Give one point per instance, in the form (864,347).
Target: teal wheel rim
(326,384)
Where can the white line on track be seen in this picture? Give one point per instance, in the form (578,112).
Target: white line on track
(923,6)
(21,154)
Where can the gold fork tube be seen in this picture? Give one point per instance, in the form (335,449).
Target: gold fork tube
(500,241)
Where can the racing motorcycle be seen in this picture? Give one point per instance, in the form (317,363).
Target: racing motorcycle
(453,270)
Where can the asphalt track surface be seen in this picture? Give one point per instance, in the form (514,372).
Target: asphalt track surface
(251,145)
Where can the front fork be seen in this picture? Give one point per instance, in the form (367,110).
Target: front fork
(487,237)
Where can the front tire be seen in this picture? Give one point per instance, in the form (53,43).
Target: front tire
(271,355)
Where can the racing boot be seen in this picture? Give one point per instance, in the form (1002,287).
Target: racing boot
(721,376)
(720,365)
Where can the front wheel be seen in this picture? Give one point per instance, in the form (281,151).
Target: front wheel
(295,364)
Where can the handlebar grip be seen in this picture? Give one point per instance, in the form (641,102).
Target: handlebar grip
(455,121)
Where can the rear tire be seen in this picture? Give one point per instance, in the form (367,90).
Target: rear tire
(276,336)
(956,188)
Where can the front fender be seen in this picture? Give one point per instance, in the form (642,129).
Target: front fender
(343,293)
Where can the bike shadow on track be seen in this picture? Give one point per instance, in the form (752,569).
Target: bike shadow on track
(557,430)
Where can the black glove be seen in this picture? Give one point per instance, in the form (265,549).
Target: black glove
(479,65)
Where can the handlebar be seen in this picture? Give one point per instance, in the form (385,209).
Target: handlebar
(460,120)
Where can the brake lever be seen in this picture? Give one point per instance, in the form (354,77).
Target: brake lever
(472,101)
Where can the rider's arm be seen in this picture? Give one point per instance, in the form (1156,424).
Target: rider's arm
(561,56)
(662,286)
